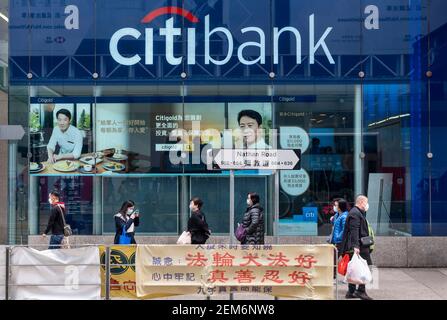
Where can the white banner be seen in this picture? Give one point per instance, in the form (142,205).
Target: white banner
(64,274)
(2,272)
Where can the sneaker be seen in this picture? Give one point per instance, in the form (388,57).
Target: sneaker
(362,295)
(350,295)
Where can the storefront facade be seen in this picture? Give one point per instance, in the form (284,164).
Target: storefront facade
(359,87)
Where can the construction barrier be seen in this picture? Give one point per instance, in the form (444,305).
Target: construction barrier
(67,274)
(152,271)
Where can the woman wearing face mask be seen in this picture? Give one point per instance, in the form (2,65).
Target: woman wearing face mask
(339,221)
(126,220)
(253,221)
(197,225)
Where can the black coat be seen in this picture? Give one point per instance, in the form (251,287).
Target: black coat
(198,227)
(356,228)
(253,222)
(55,222)
(120,223)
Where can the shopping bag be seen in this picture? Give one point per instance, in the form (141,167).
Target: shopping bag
(124,237)
(185,238)
(358,271)
(343,265)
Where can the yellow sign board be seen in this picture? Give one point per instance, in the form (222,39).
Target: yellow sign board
(299,271)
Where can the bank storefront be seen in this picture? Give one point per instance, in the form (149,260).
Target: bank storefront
(359,87)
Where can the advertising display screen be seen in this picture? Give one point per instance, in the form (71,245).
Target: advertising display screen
(124,136)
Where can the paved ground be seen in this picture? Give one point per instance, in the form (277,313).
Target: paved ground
(393,284)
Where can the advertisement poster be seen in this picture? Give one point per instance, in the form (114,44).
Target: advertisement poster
(60,136)
(123,137)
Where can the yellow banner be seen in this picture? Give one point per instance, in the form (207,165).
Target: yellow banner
(122,271)
(298,271)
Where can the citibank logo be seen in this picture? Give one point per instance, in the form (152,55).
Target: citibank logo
(169,32)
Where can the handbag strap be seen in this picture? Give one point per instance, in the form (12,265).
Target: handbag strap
(62,214)
(124,232)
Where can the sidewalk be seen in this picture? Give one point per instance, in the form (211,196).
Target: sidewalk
(394,284)
(411,284)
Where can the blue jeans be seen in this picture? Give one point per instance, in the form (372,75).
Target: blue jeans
(55,241)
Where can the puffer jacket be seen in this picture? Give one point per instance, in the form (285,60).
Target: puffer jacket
(253,222)
(339,227)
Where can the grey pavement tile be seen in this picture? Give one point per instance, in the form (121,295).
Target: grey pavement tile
(431,278)
(444,271)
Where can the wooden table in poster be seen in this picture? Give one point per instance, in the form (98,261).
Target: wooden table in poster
(98,170)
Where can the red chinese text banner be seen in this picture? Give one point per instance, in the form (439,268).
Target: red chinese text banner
(298,271)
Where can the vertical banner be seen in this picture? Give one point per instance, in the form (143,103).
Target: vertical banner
(72,274)
(298,271)
(122,272)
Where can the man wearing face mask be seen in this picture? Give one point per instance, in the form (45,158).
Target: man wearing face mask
(357,228)
(197,225)
(126,220)
(55,222)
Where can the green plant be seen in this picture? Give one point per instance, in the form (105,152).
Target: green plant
(84,121)
(87,121)
(34,120)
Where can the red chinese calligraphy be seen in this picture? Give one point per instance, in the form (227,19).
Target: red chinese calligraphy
(217,275)
(129,286)
(278,260)
(244,276)
(306,261)
(225,260)
(272,275)
(197,260)
(114,285)
(251,259)
(301,278)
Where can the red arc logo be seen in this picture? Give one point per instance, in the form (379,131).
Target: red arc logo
(170,10)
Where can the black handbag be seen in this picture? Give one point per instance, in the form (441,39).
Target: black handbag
(367,241)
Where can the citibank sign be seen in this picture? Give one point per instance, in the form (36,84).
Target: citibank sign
(169,32)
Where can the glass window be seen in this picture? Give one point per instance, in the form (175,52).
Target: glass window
(76,194)
(155,197)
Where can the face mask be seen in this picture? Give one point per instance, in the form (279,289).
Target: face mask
(335,209)
(50,201)
(367,207)
(191,208)
(129,211)
(248,202)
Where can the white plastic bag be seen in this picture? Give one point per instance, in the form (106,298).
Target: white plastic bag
(358,271)
(185,238)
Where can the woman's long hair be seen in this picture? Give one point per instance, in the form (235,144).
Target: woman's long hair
(126,204)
